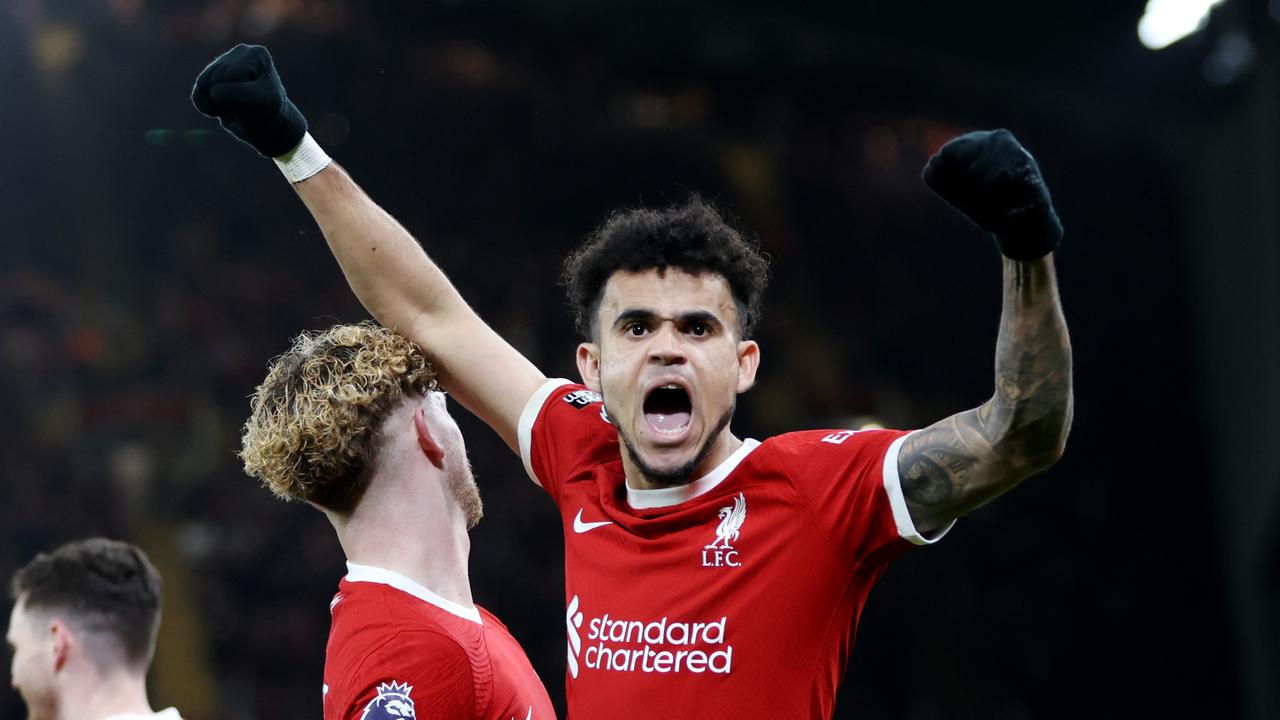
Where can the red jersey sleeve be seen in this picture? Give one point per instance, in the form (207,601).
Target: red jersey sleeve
(849,480)
(417,673)
(563,433)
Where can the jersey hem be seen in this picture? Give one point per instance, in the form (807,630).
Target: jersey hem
(898,502)
(529,416)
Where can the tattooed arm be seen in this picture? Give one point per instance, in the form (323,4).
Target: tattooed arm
(962,462)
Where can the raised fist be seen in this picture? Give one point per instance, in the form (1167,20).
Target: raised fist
(243,91)
(993,181)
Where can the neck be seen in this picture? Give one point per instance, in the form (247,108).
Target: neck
(407,529)
(119,694)
(709,459)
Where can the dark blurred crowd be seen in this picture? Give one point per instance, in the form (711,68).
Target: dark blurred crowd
(152,266)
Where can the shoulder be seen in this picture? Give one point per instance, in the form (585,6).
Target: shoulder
(415,655)
(830,442)
(374,624)
(832,456)
(425,640)
(415,671)
(567,401)
(564,430)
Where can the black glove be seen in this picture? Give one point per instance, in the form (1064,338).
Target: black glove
(993,181)
(241,89)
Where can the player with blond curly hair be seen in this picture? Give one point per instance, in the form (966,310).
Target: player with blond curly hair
(351,422)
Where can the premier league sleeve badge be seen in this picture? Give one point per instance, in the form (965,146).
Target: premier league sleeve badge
(392,701)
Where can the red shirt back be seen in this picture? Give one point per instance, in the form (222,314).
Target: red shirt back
(734,596)
(397,650)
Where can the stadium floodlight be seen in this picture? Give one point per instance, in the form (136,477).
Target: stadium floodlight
(1168,21)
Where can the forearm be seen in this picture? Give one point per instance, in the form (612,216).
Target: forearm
(386,268)
(390,274)
(1029,415)
(964,461)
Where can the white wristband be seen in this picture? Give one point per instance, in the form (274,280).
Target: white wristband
(303,161)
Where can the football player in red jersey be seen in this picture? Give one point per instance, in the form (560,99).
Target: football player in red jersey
(706,575)
(350,421)
(83,632)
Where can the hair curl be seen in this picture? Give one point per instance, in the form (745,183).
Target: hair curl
(312,431)
(106,586)
(692,237)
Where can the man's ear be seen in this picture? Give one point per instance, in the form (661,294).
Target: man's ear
(748,363)
(61,639)
(429,446)
(589,365)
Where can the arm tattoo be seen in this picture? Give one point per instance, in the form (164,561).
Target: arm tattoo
(936,461)
(967,459)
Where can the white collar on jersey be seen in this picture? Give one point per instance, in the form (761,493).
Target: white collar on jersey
(666,497)
(371,574)
(166,714)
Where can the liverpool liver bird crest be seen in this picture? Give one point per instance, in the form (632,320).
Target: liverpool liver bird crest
(731,519)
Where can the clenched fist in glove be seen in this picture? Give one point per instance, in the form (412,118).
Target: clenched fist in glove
(993,181)
(243,91)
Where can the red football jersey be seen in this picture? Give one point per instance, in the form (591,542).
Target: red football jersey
(734,596)
(398,650)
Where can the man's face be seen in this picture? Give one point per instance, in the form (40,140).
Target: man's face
(669,363)
(31,672)
(457,465)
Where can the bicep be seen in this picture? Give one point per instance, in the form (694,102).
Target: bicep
(950,468)
(480,369)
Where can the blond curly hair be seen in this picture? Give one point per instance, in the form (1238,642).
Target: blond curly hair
(312,430)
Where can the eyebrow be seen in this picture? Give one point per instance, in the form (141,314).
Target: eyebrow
(631,315)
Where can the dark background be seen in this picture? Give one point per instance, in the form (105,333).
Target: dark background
(150,266)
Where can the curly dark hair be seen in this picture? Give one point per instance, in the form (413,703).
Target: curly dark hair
(313,423)
(105,586)
(692,237)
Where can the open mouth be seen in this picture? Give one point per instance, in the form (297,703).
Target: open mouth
(667,409)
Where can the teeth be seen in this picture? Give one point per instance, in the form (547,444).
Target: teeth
(671,386)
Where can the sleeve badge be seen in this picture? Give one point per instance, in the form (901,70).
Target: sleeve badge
(392,702)
(582,398)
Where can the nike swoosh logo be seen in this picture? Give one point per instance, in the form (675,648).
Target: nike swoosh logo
(581,527)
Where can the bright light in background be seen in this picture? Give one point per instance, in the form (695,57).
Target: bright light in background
(1168,21)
